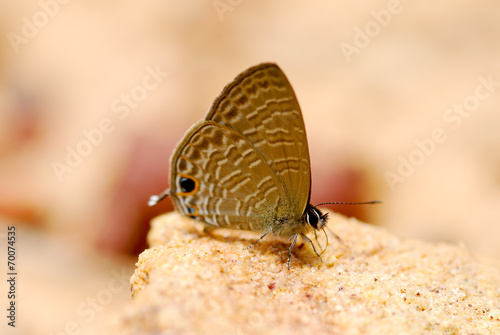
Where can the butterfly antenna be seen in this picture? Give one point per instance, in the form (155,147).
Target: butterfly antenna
(350,203)
(344,203)
(154,199)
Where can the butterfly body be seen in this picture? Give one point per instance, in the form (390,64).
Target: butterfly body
(246,164)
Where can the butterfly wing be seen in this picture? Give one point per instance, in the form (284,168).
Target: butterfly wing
(219,178)
(247,163)
(261,105)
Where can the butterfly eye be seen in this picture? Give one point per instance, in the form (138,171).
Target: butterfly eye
(314,217)
(187,185)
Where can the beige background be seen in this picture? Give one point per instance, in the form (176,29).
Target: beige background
(363,112)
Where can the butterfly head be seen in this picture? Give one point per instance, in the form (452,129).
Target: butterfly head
(315,218)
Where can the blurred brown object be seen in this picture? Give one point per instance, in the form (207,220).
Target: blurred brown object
(20,130)
(16,211)
(144,173)
(346,183)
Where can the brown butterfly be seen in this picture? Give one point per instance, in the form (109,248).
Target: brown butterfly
(246,164)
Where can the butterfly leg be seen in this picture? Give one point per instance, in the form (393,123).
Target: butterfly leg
(290,250)
(335,235)
(208,229)
(319,245)
(260,238)
(310,241)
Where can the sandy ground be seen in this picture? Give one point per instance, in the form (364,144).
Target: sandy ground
(371,283)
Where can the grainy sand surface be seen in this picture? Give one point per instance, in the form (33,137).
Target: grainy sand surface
(190,282)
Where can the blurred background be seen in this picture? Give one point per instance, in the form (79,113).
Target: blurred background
(400,100)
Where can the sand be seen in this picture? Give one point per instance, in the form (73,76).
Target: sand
(372,282)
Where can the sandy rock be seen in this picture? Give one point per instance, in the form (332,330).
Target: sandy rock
(192,282)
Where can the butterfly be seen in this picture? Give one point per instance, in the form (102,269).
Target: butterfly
(246,164)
